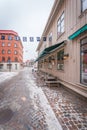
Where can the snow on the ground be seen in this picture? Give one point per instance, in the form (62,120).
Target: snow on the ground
(51,119)
(6,75)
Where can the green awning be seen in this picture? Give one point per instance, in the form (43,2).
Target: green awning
(78,32)
(48,50)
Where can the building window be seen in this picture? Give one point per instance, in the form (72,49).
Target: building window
(9,52)
(9,44)
(3,51)
(16,66)
(15,52)
(83,5)
(17,38)
(83,56)
(60,25)
(50,39)
(1,66)
(60,60)
(3,59)
(2,37)
(9,37)
(9,60)
(15,45)
(16,59)
(3,44)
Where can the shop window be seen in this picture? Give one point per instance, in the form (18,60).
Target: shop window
(1,66)
(60,25)
(9,60)
(16,66)
(16,59)
(60,60)
(83,5)
(83,56)
(3,59)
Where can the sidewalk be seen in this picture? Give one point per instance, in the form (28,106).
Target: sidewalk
(70,108)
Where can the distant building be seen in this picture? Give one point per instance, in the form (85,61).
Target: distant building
(64,53)
(11,51)
(29,63)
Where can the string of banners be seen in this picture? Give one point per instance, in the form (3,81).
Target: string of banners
(31,39)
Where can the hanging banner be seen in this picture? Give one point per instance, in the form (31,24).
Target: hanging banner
(38,39)
(31,39)
(24,39)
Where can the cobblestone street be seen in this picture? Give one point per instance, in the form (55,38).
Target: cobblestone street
(31,110)
(34,106)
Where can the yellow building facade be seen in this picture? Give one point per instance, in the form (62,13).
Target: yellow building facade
(64,53)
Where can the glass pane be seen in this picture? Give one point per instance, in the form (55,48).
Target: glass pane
(9,38)
(62,23)
(62,29)
(62,16)
(84,5)
(84,63)
(58,21)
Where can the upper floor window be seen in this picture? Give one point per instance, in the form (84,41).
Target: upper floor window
(2,37)
(15,45)
(3,44)
(84,5)
(9,52)
(15,52)
(9,37)
(9,44)
(60,25)
(3,51)
(50,37)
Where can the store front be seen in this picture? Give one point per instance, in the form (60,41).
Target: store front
(83,55)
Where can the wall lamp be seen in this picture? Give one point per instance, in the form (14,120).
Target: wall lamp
(65,56)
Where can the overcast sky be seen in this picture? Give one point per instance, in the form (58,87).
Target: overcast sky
(26,17)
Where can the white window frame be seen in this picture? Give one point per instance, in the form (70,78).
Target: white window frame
(60,25)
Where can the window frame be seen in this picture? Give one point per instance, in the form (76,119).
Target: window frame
(60,60)
(3,44)
(9,37)
(59,24)
(82,58)
(9,51)
(82,6)
(9,44)
(2,37)
(3,51)
(15,52)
